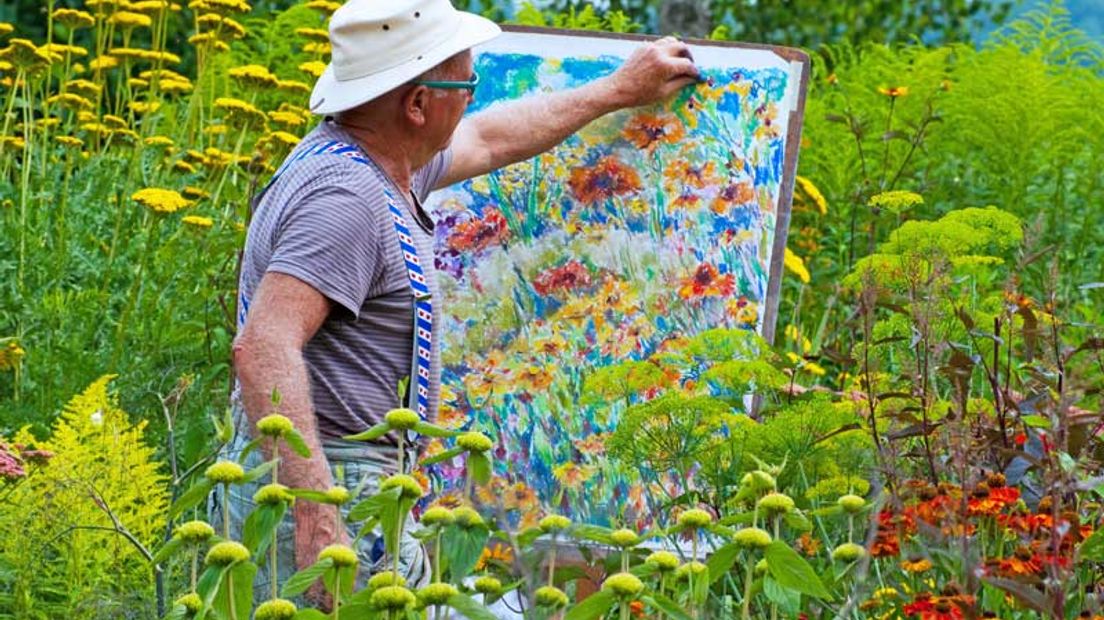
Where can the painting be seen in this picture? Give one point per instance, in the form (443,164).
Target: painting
(646,226)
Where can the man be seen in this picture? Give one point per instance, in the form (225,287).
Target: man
(328,293)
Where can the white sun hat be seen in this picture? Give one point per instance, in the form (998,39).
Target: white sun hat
(379,45)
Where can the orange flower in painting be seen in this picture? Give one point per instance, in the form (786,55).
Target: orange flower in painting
(733,194)
(570,276)
(479,233)
(592,445)
(646,131)
(707,281)
(571,475)
(519,497)
(495,553)
(607,178)
(681,174)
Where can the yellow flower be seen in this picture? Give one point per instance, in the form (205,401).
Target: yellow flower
(623,585)
(208,39)
(103,63)
(572,475)
(239,111)
(343,556)
(11,355)
(227,553)
(288,119)
(293,86)
(254,76)
(313,67)
(114,122)
(194,532)
(275,609)
(71,101)
(198,221)
(12,143)
(158,141)
(813,194)
(69,141)
(326,7)
(223,7)
(794,263)
(183,166)
(24,54)
(6,29)
(893,91)
(161,201)
(282,138)
(316,34)
(152,7)
(317,48)
(128,20)
(59,50)
(195,193)
(221,24)
(134,53)
(896,201)
(175,86)
(84,87)
(815,368)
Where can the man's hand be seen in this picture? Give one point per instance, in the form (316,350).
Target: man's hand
(654,72)
(315,529)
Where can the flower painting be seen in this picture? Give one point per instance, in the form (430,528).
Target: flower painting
(648,226)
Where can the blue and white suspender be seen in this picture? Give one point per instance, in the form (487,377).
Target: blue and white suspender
(423,306)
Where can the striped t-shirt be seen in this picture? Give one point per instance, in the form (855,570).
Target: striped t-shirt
(325,221)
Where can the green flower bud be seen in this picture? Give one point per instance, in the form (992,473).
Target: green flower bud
(663,561)
(274,425)
(488,585)
(474,442)
(194,532)
(690,568)
(337,496)
(276,609)
(624,538)
(467,517)
(752,538)
(227,553)
(851,503)
(343,556)
(776,504)
(695,518)
(436,594)
(848,552)
(191,602)
(438,515)
(272,494)
(758,480)
(393,598)
(410,487)
(761,567)
(225,472)
(554,523)
(624,585)
(386,578)
(551,596)
(402,419)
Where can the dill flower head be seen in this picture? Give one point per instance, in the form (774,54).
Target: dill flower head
(272,494)
(896,201)
(752,538)
(436,594)
(254,76)
(275,609)
(343,556)
(226,553)
(225,472)
(487,585)
(554,523)
(474,442)
(437,515)
(393,598)
(663,561)
(690,569)
(851,503)
(467,517)
(624,585)
(776,504)
(401,419)
(337,496)
(550,596)
(386,578)
(410,487)
(274,425)
(624,538)
(695,518)
(161,201)
(194,532)
(191,602)
(848,552)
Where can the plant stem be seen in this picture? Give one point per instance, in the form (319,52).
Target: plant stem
(746,611)
(336,593)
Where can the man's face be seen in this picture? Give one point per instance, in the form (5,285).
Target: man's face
(447,106)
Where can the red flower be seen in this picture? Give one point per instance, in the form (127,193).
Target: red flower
(606,179)
(477,234)
(570,276)
(707,281)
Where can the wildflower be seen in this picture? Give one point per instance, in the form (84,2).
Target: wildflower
(24,54)
(570,276)
(624,538)
(467,517)
(6,29)
(814,368)
(275,425)
(752,538)
(624,585)
(393,598)
(663,561)
(208,40)
(191,602)
(59,51)
(195,193)
(410,487)
(152,7)
(916,565)
(474,442)
(848,552)
(690,569)
(194,532)
(385,578)
(144,107)
(317,48)
(851,503)
(438,515)
(337,496)
(479,233)
(275,609)
(183,166)
(794,263)
(571,475)
(326,7)
(607,178)
(225,472)
(550,596)
(707,281)
(136,54)
(254,76)
(896,201)
(103,63)
(161,201)
(488,585)
(813,194)
(74,19)
(646,131)
(272,494)
(494,553)
(127,20)
(10,467)
(239,111)
(893,91)
(808,545)
(695,518)
(343,556)
(288,119)
(158,141)
(554,523)
(401,419)
(775,503)
(221,24)
(226,553)
(313,68)
(12,143)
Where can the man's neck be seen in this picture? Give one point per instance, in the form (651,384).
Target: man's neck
(388,152)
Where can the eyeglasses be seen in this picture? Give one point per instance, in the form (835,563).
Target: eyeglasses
(468,85)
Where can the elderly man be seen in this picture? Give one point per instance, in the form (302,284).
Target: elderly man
(337,288)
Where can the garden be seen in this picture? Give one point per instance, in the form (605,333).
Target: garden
(922,435)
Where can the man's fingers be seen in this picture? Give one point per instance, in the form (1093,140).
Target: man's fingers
(684,67)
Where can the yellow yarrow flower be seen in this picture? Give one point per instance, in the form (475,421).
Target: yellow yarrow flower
(222,7)
(293,86)
(6,29)
(794,263)
(813,193)
(127,20)
(103,63)
(159,141)
(74,19)
(315,47)
(144,107)
(239,111)
(221,25)
(70,101)
(60,50)
(69,141)
(24,54)
(254,76)
(316,34)
(208,39)
(313,67)
(288,119)
(195,193)
(162,201)
(11,355)
(198,221)
(326,7)
(84,87)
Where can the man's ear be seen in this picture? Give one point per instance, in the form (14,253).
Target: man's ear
(414,105)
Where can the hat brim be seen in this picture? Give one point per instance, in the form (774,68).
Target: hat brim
(331,95)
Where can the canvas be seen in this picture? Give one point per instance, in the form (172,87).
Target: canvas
(647,226)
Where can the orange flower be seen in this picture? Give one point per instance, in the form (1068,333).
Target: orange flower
(681,174)
(496,552)
(732,194)
(519,497)
(571,475)
(477,234)
(707,281)
(894,91)
(646,131)
(592,445)
(808,545)
(567,277)
(916,565)
(607,178)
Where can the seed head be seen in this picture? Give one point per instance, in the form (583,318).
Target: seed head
(467,517)
(488,585)
(551,596)
(848,552)
(776,503)
(758,480)
(272,494)
(695,518)
(761,567)
(851,503)
(386,578)
(624,538)
(688,569)
(474,442)
(191,602)
(274,425)
(194,532)
(393,598)
(337,495)
(554,523)
(410,487)
(438,515)
(436,594)
(624,585)
(343,556)
(227,553)
(225,472)
(402,419)
(276,609)
(752,538)
(663,561)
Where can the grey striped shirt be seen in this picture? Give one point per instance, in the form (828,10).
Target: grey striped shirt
(325,222)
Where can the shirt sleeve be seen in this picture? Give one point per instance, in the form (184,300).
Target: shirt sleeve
(329,239)
(426,177)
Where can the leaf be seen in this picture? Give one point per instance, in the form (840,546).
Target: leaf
(469,608)
(594,606)
(249,447)
(373,433)
(355,611)
(666,605)
(312,614)
(527,537)
(371,506)
(595,533)
(191,498)
(797,521)
(297,444)
(1035,421)
(260,526)
(429,430)
(479,467)
(792,571)
(300,581)
(259,471)
(788,600)
(239,583)
(440,457)
(462,549)
(168,549)
(1092,548)
(207,587)
(1022,593)
(178,612)
(309,494)
(721,561)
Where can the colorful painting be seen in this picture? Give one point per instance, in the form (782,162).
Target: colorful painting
(646,226)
